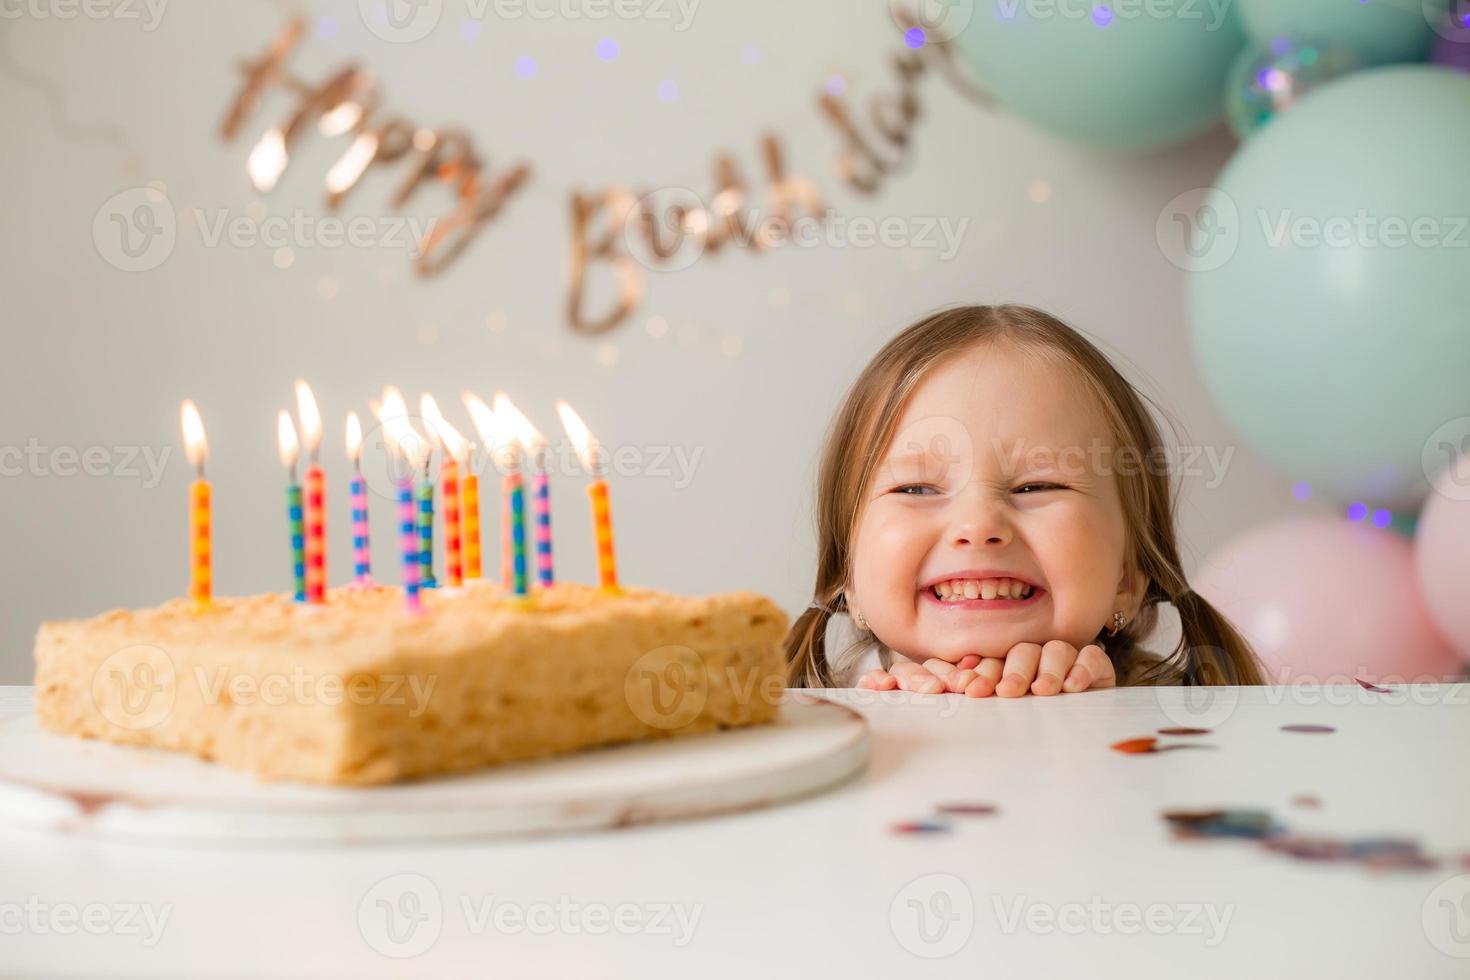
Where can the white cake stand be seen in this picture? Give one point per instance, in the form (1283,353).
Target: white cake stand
(94,788)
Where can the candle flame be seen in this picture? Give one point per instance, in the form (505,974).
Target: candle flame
(354,438)
(447,436)
(403,438)
(582,439)
(481,416)
(195,446)
(286,440)
(267,160)
(519,432)
(311,419)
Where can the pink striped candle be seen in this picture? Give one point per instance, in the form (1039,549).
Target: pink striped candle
(362,556)
(541,511)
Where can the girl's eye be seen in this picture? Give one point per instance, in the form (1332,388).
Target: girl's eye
(1035,487)
(916,489)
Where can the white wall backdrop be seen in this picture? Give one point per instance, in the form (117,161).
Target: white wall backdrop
(757,349)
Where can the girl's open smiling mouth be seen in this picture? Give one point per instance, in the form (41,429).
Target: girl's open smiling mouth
(965,603)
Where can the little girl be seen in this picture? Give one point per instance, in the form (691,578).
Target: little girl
(995,517)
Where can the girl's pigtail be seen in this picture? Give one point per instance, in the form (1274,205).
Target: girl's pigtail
(1211,650)
(806,647)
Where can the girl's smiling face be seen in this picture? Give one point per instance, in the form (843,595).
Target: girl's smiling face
(1001,468)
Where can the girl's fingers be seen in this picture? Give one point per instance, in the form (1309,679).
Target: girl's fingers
(987,675)
(969,661)
(955,676)
(877,679)
(1020,670)
(1093,670)
(915,679)
(1057,658)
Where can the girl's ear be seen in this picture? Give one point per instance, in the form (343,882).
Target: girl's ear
(1132,585)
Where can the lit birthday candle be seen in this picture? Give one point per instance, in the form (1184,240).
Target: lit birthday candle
(200,565)
(589,452)
(289,448)
(316,492)
(404,445)
(508,421)
(533,444)
(453,449)
(484,421)
(362,553)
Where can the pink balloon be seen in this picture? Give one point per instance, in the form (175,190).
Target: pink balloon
(1442,555)
(1324,600)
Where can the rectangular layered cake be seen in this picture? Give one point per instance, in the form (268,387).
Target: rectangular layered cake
(358,691)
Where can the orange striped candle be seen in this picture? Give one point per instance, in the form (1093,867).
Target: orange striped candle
(201,586)
(455,450)
(588,451)
(469,493)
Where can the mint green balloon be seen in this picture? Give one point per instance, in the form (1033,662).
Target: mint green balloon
(1330,306)
(1380,32)
(1123,79)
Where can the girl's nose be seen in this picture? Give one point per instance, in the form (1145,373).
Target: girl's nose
(993,529)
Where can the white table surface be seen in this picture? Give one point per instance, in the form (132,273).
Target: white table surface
(1077,872)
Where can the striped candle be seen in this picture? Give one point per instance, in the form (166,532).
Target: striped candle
(316,535)
(541,510)
(315,511)
(362,555)
(201,571)
(469,491)
(426,532)
(408,536)
(298,539)
(518,534)
(507,545)
(453,542)
(201,577)
(607,569)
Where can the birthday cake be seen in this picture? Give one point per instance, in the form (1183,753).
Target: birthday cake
(357,691)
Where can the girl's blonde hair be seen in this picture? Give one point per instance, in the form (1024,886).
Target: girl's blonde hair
(1210,650)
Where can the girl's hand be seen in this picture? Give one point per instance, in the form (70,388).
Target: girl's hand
(1057,667)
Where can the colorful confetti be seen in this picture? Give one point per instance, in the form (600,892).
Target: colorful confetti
(1184,731)
(968,809)
(920,827)
(1370,686)
(1374,853)
(1309,729)
(1306,799)
(1134,746)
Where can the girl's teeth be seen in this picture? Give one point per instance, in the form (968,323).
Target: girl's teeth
(958,590)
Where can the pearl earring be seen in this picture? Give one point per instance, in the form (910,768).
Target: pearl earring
(1119,621)
(857,617)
